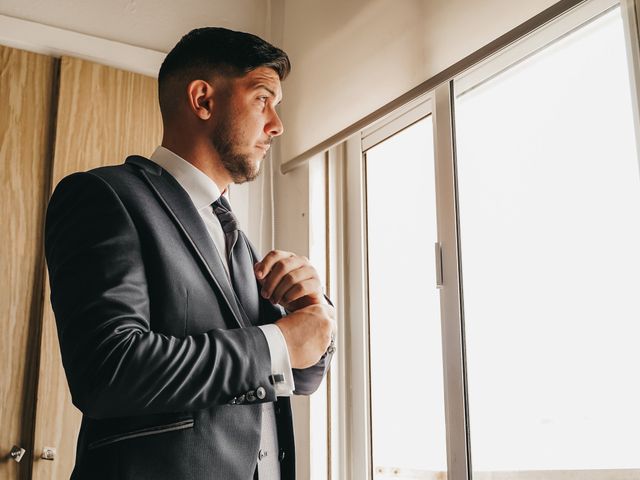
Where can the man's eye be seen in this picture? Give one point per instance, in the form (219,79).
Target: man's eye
(263,99)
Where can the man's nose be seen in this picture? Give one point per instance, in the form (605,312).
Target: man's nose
(274,127)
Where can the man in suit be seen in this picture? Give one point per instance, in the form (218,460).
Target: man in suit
(174,339)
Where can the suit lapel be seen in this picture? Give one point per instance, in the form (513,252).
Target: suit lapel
(180,208)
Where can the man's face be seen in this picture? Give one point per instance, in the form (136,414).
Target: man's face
(245,121)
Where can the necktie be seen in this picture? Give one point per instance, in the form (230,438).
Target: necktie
(239,260)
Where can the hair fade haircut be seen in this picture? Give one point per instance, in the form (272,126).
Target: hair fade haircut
(205,52)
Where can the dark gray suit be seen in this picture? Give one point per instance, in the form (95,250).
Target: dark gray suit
(158,355)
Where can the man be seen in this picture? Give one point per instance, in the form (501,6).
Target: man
(172,331)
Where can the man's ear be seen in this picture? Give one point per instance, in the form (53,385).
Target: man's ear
(200,98)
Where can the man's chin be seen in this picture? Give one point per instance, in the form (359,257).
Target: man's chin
(248,175)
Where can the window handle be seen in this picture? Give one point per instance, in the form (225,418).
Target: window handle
(439,282)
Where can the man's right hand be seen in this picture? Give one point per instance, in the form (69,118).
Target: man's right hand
(308,333)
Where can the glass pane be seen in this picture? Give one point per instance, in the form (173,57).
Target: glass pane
(549,194)
(408,426)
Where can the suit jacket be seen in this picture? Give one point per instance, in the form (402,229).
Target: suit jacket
(159,357)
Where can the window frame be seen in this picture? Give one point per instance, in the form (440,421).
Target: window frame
(351,456)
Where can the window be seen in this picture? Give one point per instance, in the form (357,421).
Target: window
(549,193)
(404,307)
(524,173)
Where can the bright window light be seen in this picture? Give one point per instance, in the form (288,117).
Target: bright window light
(549,193)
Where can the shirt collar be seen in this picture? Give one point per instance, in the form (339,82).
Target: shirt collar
(202,190)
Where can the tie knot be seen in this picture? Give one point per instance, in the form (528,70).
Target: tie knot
(222,209)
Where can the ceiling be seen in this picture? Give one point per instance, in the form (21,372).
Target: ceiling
(152,24)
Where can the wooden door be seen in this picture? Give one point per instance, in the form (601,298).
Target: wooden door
(26,81)
(104,114)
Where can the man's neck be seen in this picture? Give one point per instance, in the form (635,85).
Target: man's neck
(204,159)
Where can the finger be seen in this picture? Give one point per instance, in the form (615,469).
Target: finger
(297,304)
(297,284)
(281,268)
(289,279)
(310,290)
(263,267)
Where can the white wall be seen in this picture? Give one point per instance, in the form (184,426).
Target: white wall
(352,57)
(151,24)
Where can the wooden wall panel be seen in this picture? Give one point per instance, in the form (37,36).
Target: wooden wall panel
(26,81)
(57,420)
(104,114)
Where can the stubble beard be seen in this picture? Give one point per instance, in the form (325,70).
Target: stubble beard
(239,165)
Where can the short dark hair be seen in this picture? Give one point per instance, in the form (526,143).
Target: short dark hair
(208,51)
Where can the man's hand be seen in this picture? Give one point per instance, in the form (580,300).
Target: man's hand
(307,333)
(289,280)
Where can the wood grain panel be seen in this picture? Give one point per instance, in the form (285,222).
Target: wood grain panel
(104,114)
(25,121)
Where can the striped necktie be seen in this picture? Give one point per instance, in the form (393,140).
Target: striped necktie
(239,260)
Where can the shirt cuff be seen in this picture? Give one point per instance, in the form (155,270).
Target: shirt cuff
(280,361)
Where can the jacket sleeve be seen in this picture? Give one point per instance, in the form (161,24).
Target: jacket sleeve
(115,365)
(308,380)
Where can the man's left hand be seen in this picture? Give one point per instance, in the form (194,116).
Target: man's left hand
(289,280)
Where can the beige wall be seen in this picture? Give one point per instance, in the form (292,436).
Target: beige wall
(352,57)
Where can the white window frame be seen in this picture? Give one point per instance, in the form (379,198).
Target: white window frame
(347,253)
(348,264)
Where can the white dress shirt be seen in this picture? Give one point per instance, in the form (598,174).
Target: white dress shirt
(203,191)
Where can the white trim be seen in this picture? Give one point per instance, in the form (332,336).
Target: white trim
(531,43)
(341,457)
(629,10)
(348,223)
(340,460)
(318,418)
(402,118)
(458,457)
(44,39)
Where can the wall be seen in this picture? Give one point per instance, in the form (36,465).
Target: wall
(352,57)
(150,24)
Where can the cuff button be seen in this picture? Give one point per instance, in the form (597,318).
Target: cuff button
(261,393)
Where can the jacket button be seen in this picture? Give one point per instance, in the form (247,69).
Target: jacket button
(261,454)
(251,396)
(261,393)
(281,455)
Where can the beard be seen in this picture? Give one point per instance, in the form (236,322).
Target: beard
(239,165)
